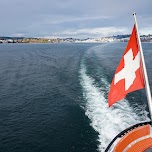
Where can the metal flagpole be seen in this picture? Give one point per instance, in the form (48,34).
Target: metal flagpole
(147,87)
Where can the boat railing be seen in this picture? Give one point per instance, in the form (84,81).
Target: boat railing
(124,132)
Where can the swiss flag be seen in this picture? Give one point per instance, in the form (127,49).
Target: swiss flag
(129,73)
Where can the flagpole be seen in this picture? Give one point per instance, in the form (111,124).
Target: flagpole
(147,87)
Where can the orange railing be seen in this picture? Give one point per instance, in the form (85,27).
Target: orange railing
(132,136)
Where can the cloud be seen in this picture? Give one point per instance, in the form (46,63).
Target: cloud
(93,32)
(62,19)
(50,17)
(18,35)
(146,31)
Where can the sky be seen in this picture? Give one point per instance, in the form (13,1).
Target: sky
(73,18)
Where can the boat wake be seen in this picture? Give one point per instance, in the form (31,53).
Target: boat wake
(108,122)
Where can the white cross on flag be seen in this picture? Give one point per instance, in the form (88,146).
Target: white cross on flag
(129,73)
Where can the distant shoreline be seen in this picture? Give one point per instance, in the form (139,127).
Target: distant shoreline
(118,38)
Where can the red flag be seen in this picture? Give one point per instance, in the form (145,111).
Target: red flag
(129,73)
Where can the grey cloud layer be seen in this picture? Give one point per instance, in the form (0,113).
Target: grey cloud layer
(62,17)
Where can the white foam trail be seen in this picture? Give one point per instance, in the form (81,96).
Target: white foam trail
(108,122)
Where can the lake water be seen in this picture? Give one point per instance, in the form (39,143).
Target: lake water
(53,97)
